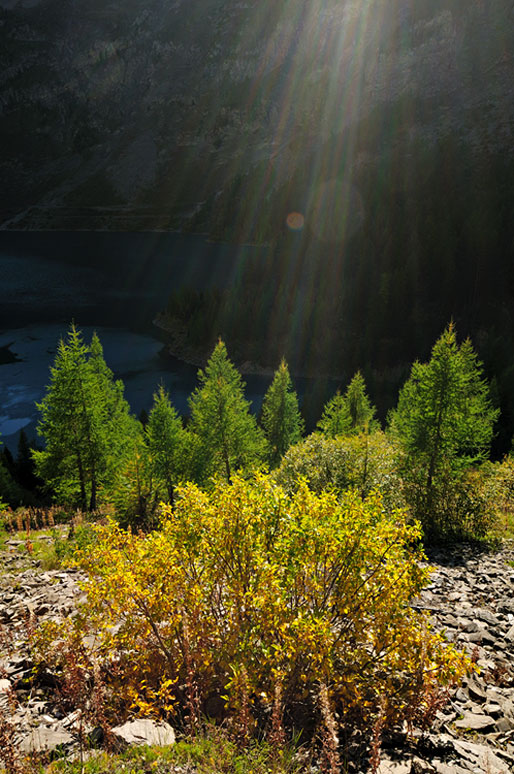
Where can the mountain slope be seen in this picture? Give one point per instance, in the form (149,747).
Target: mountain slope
(224,116)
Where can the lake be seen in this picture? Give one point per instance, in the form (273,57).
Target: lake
(113,283)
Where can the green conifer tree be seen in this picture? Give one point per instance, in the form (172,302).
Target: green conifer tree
(351,413)
(361,410)
(281,419)
(221,419)
(443,424)
(165,439)
(85,422)
(336,419)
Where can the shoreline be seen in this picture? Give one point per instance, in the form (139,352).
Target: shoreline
(198,356)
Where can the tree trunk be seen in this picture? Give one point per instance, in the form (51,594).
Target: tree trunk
(83,499)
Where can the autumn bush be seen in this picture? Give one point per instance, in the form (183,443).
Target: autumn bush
(249,601)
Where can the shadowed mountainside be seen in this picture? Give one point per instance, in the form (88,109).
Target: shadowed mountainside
(223,117)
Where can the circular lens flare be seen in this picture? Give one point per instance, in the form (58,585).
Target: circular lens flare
(295,221)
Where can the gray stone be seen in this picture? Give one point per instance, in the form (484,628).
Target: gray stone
(476,690)
(510,634)
(504,725)
(482,756)
(475,722)
(145,731)
(494,710)
(394,767)
(45,739)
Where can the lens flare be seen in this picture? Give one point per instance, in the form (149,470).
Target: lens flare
(295,221)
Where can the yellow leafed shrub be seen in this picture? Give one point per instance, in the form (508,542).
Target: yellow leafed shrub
(247,588)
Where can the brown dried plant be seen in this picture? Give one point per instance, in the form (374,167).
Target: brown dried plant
(8,753)
(376,738)
(277,737)
(330,761)
(192,695)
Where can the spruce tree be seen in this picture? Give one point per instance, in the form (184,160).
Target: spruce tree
(281,419)
(221,418)
(85,422)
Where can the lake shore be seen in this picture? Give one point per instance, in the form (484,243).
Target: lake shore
(176,347)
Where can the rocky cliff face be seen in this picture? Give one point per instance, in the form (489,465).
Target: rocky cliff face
(225,116)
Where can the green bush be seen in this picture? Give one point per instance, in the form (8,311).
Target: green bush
(365,462)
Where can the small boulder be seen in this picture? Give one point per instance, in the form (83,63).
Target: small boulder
(145,731)
(475,722)
(45,739)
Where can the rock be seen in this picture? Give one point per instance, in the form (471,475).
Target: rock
(510,634)
(476,691)
(145,731)
(45,739)
(503,725)
(481,756)
(419,766)
(5,686)
(388,766)
(444,768)
(474,722)
(494,710)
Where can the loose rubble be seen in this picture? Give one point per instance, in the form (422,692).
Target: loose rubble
(470,598)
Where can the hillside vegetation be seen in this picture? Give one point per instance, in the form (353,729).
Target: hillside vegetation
(275,602)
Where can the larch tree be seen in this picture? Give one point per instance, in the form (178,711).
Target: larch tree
(165,439)
(85,422)
(336,419)
(361,410)
(281,419)
(221,420)
(351,413)
(443,424)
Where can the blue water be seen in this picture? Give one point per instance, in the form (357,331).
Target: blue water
(114,284)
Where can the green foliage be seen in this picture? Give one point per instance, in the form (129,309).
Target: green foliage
(336,419)
(85,422)
(212,752)
(494,483)
(165,440)
(228,435)
(443,424)
(160,457)
(359,405)
(80,538)
(281,419)
(365,462)
(351,413)
(253,594)
(135,492)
